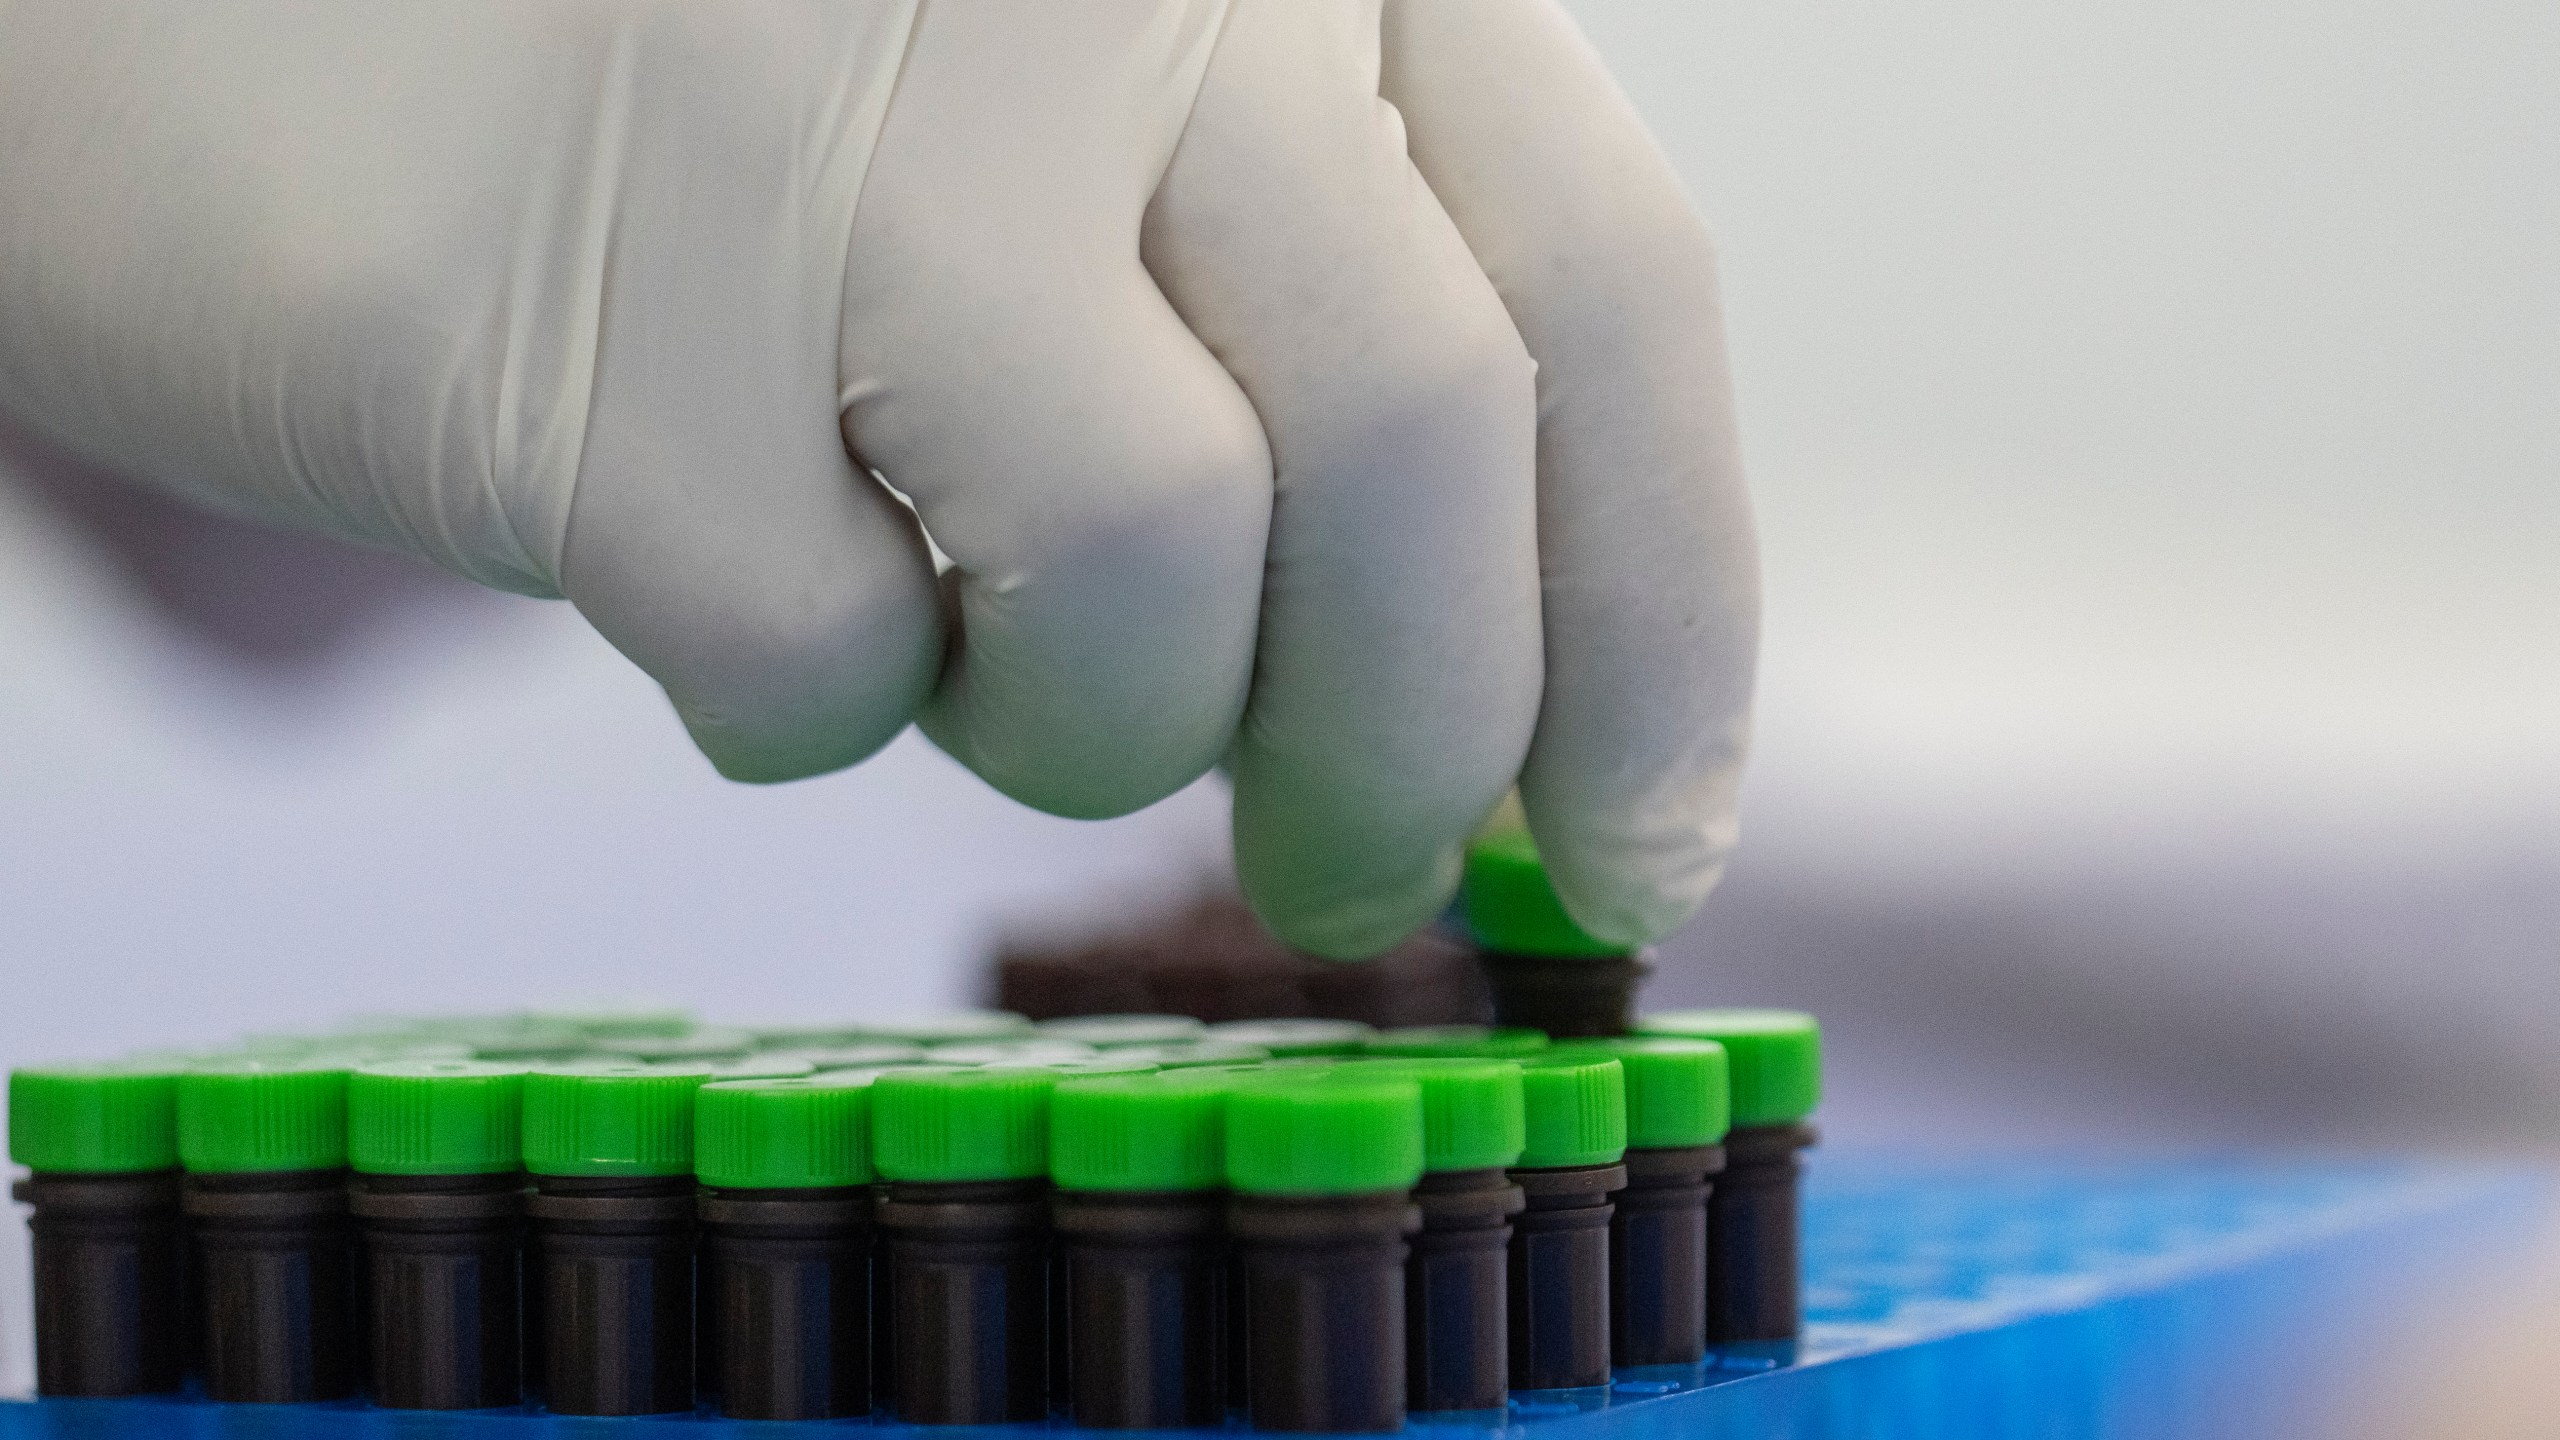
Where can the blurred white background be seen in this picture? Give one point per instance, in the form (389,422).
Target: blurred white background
(2155,412)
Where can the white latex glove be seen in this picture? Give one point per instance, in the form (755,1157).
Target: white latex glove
(1200,333)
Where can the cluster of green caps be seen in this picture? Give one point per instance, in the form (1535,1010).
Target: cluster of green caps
(1099,1103)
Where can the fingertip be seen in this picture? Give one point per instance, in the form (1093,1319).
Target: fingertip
(1634,887)
(753,755)
(1061,782)
(1339,914)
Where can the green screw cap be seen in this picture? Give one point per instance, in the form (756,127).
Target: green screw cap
(1108,1031)
(1296,1038)
(530,1043)
(1459,1042)
(114,1119)
(861,1054)
(958,1027)
(246,1116)
(1183,1054)
(1100,1063)
(1009,1052)
(792,1035)
(1775,1057)
(610,1117)
(1575,1104)
(702,1044)
(1511,909)
(605,1019)
(1328,1130)
(788,1134)
(435,1117)
(1677,1089)
(1140,1132)
(763,1067)
(1472,1111)
(931,1123)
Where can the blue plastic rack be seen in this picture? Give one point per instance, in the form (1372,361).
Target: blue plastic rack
(1964,1298)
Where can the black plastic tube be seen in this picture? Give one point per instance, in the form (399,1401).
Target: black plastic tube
(1569,997)
(1324,1307)
(786,1281)
(441,1288)
(1754,1274)
(1146,1314)
(533,1369)
(884,1313)
(275,1285)
(1560,1277)
(616,1290)
(110,1257)
(1658,1257)
(1457,1284)
(1061,1362)
(969,1280)
(1239,1323)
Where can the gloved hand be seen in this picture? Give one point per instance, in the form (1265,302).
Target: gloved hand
(1333,389)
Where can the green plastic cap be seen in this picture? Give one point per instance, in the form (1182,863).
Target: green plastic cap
(1678,1093)
(245,1116)
(1107,1031)
(933,1123)
(790,1134)
(1140,1132)
(1459,1042)
(1575,1103)
(794,1035)
(609,1018)
(1511,909)
(1183,1054)
(1326,1130)
(1472,1111)
(435,1117)
(531,1043)
(113,1119)
(393,1049)
(1009,1052)
(1100,1063)
(765,1067)
(1775,1057)
(700,1044)
(1295,1038)
(958,1027)
(611,1117)
(860,1054)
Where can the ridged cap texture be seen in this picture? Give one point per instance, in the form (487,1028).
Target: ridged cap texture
(931,1123)
(784,1134)
(1472,1111)
(1140,1132)
(435,1117)
(1325,1130)
(247,1116)
(1678,1093)
(1575,1105)
(610,1117)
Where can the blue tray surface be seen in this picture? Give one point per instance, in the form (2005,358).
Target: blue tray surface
(1973,1297)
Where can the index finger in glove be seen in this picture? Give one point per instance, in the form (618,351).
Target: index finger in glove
(1650,575)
